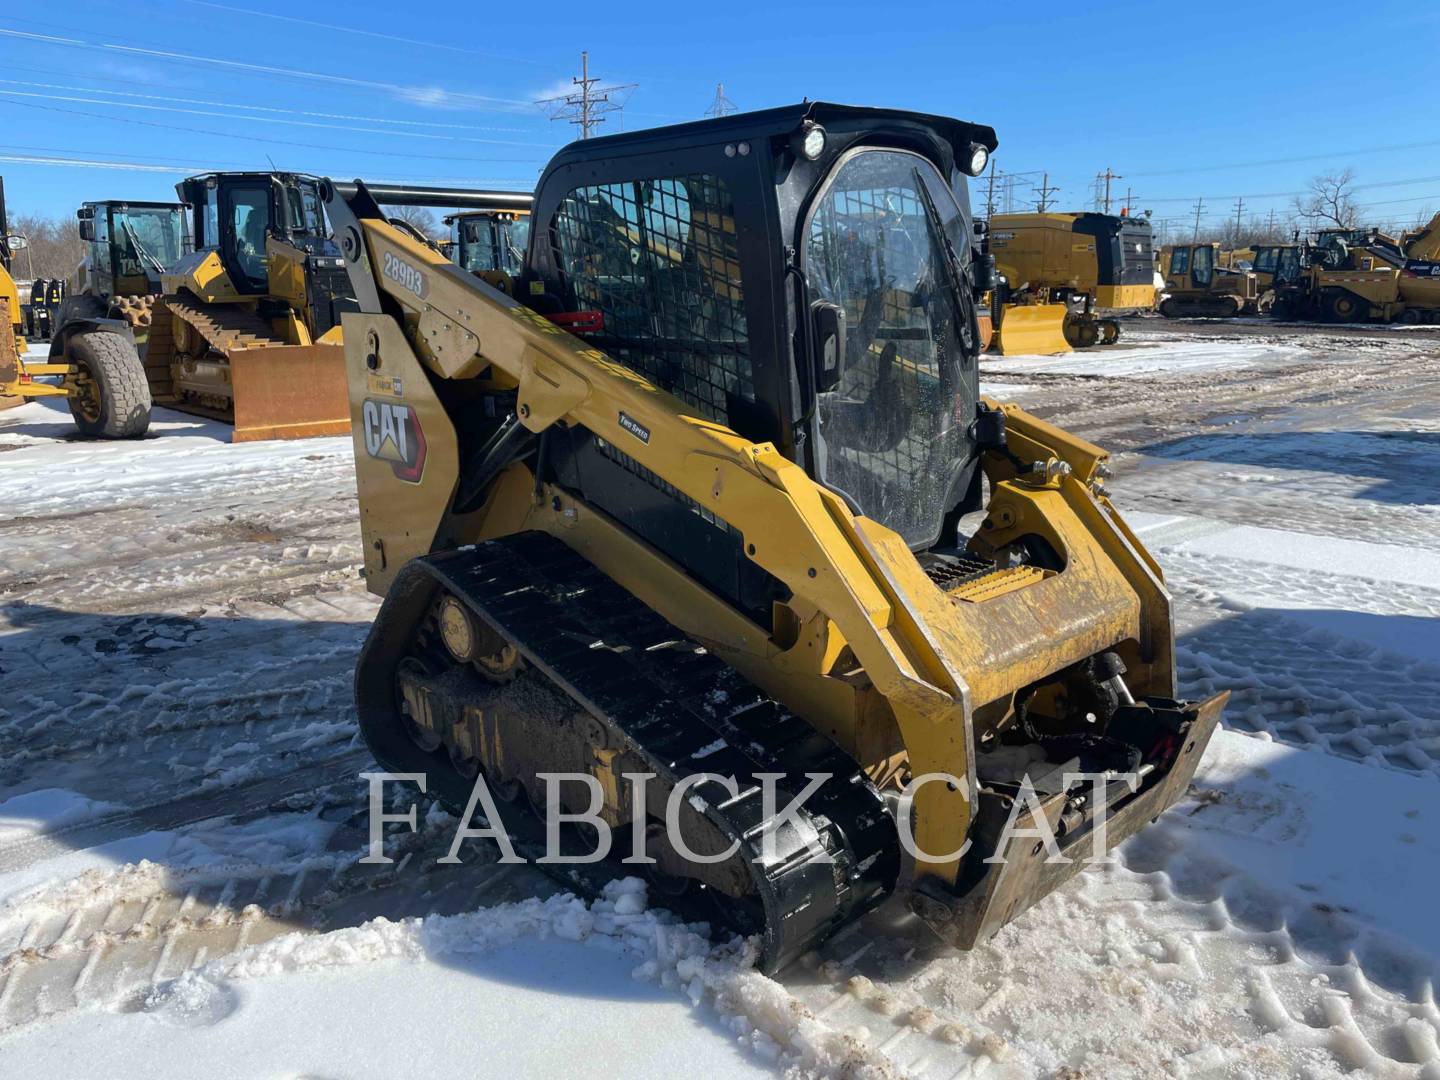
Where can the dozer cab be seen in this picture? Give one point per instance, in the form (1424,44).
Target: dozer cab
(247,330)
(93,363)
(1065,276)
(1379,279)
(491,241)
(713,506)
(1197,286)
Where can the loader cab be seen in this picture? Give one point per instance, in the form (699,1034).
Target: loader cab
(1279,263)
(804,276)
(490,241)
(130,245)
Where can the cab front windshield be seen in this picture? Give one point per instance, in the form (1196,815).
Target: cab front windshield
(147,240)
(493,243)
(893,420)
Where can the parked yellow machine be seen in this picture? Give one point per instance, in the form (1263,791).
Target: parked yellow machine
(1377,279)
(490,241)
(1066,275)
(1197,286)
(94,364)
(694,503)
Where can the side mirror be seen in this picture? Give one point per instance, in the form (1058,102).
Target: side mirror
(85,213)
(827,323)
(16,242)
(87,230)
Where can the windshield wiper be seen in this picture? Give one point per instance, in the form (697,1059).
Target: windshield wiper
(959,281)
(141,249)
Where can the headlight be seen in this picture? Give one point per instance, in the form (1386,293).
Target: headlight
(812,141)
(976,159)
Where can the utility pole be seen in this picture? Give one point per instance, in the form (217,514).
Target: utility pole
(1239,209)
(990,193)
(1105,178)
(1045,191)
(1199,205)
(1129,195)
(721,106)
(1270,227)
(585,107)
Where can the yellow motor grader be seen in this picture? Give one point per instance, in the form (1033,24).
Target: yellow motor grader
(708,513)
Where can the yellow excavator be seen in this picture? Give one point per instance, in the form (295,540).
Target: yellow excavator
(94,363)
(708,514)
(1065,277)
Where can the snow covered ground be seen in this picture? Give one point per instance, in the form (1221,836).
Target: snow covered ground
(181,812)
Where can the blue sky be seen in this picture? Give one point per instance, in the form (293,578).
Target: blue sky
(1182,100)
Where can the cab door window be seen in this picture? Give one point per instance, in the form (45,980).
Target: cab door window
(1180,261)
(1203,268)
(247,220)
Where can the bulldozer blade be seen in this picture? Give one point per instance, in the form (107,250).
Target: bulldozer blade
(1032,329)
(289,392)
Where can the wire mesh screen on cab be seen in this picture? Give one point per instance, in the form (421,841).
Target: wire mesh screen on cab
(659,259)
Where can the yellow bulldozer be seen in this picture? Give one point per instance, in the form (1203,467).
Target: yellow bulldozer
(1198,286)
(1372,278)
(704,529)
(93,364)
(1066,276)
(247,328)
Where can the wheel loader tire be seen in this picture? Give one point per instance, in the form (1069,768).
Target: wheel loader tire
(117,405)
(1229,308)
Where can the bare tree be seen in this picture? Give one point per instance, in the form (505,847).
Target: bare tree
(55,247)
(419,219)
(1330,201)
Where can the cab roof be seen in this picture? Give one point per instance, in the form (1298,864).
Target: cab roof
(948,136)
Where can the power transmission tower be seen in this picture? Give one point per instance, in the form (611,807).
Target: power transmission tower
(1239,209)
(1199,205)
(722,105)
(1103,180)
(586,106)
(1044,191)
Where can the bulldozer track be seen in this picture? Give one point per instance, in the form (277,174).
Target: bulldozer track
(225,327)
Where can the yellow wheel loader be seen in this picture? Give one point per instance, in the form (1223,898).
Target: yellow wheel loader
(94,363)
(1197,286)
(705,529)
(1063,274)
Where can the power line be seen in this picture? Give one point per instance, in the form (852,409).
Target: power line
(232,115)
(587,106)
(1105,178)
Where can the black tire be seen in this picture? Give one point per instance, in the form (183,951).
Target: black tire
(1344,307)
(1169,309)
(118,404)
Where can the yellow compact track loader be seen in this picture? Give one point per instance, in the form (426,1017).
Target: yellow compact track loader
(1197,286)
(93,364)
(490,241)
(247,330)
(1062,272)
(709,515)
